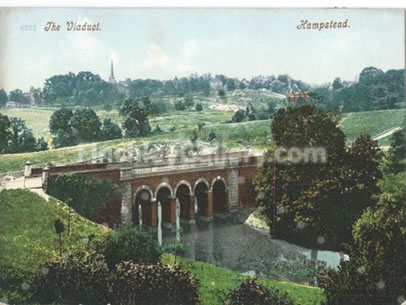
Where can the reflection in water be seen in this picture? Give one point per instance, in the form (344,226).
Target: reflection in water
(243,249)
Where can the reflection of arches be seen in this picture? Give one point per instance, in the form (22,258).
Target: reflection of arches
(183,193)
(201,190)
(142,197)
(219,188)
(164,196)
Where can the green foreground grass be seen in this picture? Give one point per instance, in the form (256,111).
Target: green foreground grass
(28,239)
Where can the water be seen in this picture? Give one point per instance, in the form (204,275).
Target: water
(242,249)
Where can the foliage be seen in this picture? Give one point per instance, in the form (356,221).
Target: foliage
(18,96)
(15,137)
(376,271)
(85,125)
(395,158)
(85,195)
(180,105)
(318,200)
(159,107)
(84,89)
(198,107)
(129,243)
(74,279)
(136,112)
(3,98)
(110,130)
(250,292)
(216,282)
(60,120)
(154,284)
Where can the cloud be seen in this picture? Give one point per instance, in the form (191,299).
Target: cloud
(156,57)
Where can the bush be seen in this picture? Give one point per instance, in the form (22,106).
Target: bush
(85,195)
(153,285)
(250,292)
(110,130)
(376,271)
(76,279)
(129,243)
(199,107)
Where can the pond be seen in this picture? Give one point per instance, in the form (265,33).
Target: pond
(246,250)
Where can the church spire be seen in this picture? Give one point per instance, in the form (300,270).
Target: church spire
(112,80)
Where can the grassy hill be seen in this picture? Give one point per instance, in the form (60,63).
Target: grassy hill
(27,239)
(178,128)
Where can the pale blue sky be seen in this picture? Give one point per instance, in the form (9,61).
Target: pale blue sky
(163,43)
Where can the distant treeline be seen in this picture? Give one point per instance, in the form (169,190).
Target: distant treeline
(374,90)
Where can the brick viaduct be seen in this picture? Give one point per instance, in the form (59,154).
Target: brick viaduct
(212,185)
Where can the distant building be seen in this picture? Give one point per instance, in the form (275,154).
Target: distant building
(11,104)
(112,80)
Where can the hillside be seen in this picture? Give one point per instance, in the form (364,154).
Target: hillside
(27,239)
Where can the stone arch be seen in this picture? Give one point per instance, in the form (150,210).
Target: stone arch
(201,191)
(164,194)
(142,188)
(216,179)
(183,182)
(162,185)
(220,195)
(145,203)
(183,193)
(201,180)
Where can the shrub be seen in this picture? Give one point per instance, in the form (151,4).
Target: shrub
(250,292)
(376,271)
(85,195)
(153,285)
(129,243)
(76,279)
(199,107)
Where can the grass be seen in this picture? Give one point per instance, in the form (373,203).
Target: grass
(178,128)
(372,123)
(27,234)
(27,239)
(215,281)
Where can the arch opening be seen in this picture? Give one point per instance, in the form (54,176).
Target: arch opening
(183,195)
(143,199)
(164,196)
(220,197)
(201,193)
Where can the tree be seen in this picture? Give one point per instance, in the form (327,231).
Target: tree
(199,107)
(17,96)
(221,93)
(110,130)
(179,105)
(5,133)
(395,157)
(135,113)
(337,83)
(85,195)
(86,124)
(60,120)
(22,138)
(3,98)
(188,102)
(317,200)
(376,271)
(239,116)
(129,243)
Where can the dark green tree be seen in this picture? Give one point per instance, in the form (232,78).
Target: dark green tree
(110,130)
(376,271)
(129,243)
(135,113)
(5,133)
(180,105)
(199,107)
(86,124)
(60,120)
(3,98)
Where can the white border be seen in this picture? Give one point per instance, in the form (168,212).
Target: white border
(206,3)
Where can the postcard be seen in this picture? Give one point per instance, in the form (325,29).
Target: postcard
(182,156)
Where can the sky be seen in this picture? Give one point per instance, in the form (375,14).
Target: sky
(164,43)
